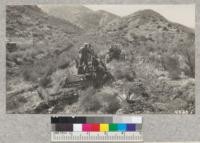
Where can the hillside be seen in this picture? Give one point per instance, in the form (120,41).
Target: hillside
(146,31)
(105,17)
(156,73)
(81,16)
(22,20)
(36,34)
(148,26)
(150,35)
(160,53)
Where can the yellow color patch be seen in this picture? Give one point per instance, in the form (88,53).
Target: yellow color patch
(104,128)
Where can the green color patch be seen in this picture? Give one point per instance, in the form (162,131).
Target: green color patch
(112,127)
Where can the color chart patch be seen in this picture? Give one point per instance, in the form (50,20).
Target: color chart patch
(96,129)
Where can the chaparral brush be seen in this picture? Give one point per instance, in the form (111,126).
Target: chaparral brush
(72,59)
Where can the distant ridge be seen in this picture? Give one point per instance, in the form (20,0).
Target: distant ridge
(81,16)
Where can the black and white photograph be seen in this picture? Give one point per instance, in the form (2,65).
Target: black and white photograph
(100,59)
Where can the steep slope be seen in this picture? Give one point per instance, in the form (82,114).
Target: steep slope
(22,20)
(80,15)
(36,34)
(105,17)
(149,27)
(76,14)
(161,53)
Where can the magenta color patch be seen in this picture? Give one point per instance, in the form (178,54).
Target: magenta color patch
(87,127)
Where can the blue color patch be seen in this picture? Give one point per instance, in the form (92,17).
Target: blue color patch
(121,127)
(131,127)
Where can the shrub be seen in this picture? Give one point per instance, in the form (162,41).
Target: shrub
(114,52)
(38,70)
(64,62)
(151,39)
(104,100)
(172,65)
(22,99)
(89,102)
(177,30)
(147,72)
(169,25)
(188,54)
(143,38)
(45,66)
(44,81)
(158,26)
(29,75)
(108,99)
(165,29)
(123,71)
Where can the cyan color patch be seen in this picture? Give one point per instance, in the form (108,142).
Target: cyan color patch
(121,127)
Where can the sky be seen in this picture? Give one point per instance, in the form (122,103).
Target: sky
(183,14)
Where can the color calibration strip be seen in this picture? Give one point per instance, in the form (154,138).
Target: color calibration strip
(96,124)
(96,129)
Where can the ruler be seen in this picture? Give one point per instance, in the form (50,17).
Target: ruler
(96,136)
